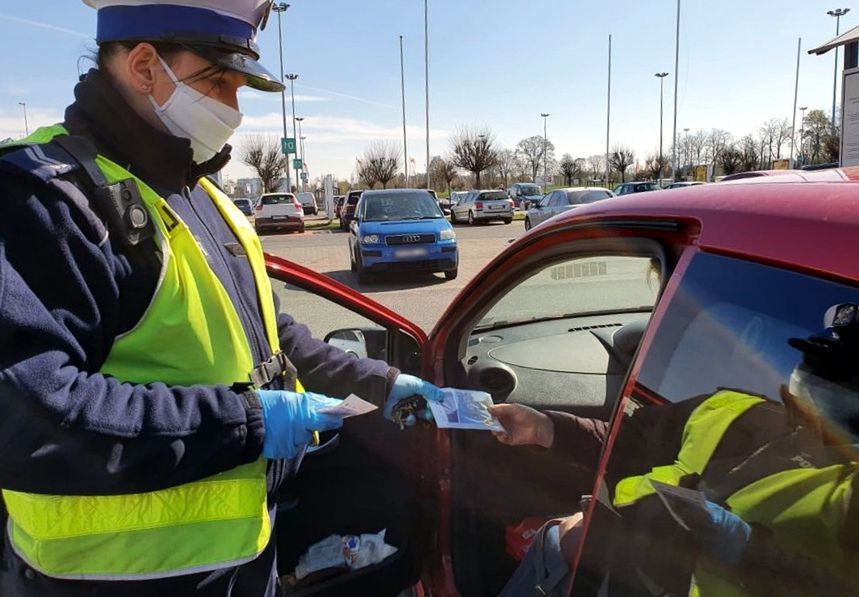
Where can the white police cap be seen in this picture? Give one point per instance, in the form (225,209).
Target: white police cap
(223,31)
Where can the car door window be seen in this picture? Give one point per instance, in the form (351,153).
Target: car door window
(741,345)
(550,336)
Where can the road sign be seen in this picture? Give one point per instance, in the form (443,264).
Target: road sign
(304,176)
(296,164)
(287,145)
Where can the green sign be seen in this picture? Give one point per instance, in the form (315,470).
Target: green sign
(304,176)
(296,164)
(287,145)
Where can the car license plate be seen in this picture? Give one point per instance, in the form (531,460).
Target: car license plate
(407,253)
(280,217)
(496,207)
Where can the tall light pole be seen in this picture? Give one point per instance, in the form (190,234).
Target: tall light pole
(661,77)
(300,149)
(292,78)
(802,132)
(837,13)
(403,90)
(608,119)
(676,80)
(281,8)
(426,76)
(795,100)
(545,147)
(26,124)
(303,160)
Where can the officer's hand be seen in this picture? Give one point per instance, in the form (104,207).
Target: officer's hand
(721,534)
(290,420)
(406,386)
(523,426)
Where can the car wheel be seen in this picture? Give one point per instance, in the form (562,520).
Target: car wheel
(352,265)
(471,220)
(363,276)
(527,223)
(453,220)
(508,220)
(452,274)
(301,230)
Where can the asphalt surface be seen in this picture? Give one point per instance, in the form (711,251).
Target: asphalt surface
(421,298)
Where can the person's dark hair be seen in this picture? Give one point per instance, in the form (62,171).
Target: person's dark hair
(166,50)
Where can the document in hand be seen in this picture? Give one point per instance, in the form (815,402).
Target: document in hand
(464,409)
(351,407)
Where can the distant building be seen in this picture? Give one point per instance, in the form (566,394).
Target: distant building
(248,187)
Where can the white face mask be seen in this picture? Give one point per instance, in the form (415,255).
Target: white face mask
(189,114)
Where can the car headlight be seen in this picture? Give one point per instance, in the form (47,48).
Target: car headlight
(370,239)
(447,234)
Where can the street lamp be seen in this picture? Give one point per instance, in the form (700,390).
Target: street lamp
(661,77)
(292,78)
(545,148)
(403,98)
(26,124)
(281,8)
(837,13)
(300,149)
(801,155)
(303,162)
(426,75)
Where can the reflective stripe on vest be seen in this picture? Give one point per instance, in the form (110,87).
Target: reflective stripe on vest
(701,436)
(190,334)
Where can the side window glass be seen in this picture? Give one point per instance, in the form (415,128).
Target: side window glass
(746,398)
(557,329)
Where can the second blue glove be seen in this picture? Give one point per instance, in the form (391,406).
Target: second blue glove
(406,386)
(290,420)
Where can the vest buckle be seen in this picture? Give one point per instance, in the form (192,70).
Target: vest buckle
(277,367)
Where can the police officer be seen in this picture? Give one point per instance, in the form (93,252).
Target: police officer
(151,395)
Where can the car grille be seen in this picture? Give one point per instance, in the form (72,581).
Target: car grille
(410,239)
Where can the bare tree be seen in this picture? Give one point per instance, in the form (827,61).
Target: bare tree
(656,165)
(570,168)
(474,150)
(532,150)
(697,144)
(731,160)
(620,159)
(596,164)
(751,156)
(507,165)
(263,154)
(443,171)
(365,174)
(382,161)
(717,142)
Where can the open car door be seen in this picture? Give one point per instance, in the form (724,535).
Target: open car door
(367,477)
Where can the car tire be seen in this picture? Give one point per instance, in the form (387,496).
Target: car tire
(471,220)
(453,220)
(451,274)
(301,230)
(508,220)
(363,276)
(352,265)
(527,223)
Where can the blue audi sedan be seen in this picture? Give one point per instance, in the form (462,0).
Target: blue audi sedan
(400,230)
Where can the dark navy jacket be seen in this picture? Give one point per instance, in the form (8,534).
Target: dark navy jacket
(66,291)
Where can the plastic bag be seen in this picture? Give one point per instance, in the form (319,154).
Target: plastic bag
(350,552)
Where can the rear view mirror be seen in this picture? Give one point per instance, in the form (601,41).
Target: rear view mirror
(351,341)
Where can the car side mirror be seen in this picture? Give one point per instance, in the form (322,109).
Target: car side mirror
(352,341)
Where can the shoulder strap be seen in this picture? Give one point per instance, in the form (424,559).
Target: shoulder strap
(120,203)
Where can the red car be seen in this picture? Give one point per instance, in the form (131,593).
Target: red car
(624,304)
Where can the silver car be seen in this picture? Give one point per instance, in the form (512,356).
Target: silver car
(482,206)
(563,200)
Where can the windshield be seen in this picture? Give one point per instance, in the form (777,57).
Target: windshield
(494,196)
(276,199)
(400,206)
(529,190)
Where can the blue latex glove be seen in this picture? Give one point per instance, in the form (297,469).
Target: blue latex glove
(290,420)
(406,386)
(721,534)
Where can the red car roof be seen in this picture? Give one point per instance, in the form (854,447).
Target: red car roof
(808,220)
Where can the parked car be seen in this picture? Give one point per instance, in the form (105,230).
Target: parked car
(347,212)
(685,184)
(524,194)
(562,200)
(605,310)
(338,205)
(246,206)
(482,206)
(279,211)
(756,174)
(401,230)
(308,202)
(629,188)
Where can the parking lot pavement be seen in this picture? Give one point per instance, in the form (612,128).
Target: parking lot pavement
(420,298)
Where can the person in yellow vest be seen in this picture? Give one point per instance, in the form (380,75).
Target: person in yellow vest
(768,490)
(151,393)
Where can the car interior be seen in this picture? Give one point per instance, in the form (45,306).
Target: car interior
(572,357)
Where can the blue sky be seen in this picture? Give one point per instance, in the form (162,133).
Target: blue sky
(495,63)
